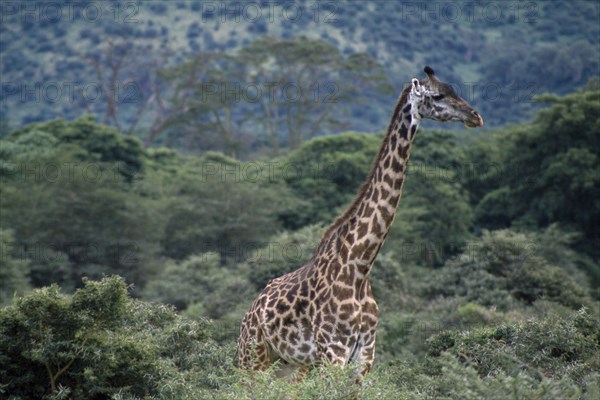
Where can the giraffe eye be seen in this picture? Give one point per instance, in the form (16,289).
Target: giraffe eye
(437,97)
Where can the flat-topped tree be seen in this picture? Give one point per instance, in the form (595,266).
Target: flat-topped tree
(324,311)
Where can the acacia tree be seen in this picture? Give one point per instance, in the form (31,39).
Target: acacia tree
(203,102)
(305,83)
(301,86)
(127,82)
(295,87)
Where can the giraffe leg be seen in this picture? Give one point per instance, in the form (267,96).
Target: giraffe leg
(366,352)
(368,333)
(254,353)
(365,358)
(336,354)
(293,373)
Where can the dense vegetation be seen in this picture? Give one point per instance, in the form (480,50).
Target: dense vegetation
(489,277)
(161,161)
(99,343)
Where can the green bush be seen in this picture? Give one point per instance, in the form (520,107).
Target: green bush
(544,179)
(99,343)
(200,280)
(505,268)
(100,143)
(214,205)
(554,348)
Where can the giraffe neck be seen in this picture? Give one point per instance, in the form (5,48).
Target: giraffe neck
(357,236)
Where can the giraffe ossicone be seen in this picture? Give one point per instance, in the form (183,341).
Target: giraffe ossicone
(325,311)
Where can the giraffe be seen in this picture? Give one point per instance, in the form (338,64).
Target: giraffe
(325,311)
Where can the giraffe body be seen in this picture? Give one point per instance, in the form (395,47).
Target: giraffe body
(293,320)
(325,311)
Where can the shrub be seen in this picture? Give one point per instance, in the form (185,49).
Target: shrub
(99,343)
(555,348)
(503,269)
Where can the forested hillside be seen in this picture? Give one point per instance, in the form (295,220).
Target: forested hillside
(109,58)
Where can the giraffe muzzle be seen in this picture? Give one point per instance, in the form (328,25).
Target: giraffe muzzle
(476,122)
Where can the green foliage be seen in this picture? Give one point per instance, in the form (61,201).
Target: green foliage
(390,280)
(293,88)
(187,282)
(554,348)
(325,78)
(207,210)
(547,173)
(494,311)
(534,359)
(201,281)
(563,170)
(552,47)
(503,268)
(459,382)
(72,213)
(503,277)
(327,382)
(100,142)
(569,173)
(328,172)
(97,343)
(433,223)
(14,278)
(434,220)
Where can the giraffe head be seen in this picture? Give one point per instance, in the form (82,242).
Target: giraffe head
(438,101)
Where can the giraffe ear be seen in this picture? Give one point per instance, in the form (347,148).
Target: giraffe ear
(416,87)
(429,71)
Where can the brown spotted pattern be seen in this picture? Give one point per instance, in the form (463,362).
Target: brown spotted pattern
(325,311)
